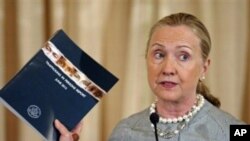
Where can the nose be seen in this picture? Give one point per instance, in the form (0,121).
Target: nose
(169,67)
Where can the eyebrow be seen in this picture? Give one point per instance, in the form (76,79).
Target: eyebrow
(178,46)
(185,46)
(157,44)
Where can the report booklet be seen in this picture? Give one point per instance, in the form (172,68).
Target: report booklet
(60,82)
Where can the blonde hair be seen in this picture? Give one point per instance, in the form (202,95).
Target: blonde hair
(205,43)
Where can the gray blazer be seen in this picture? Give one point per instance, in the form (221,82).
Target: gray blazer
(209,124)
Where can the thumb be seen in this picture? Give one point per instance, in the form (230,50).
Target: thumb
(61,128)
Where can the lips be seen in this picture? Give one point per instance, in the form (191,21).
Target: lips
(168,84)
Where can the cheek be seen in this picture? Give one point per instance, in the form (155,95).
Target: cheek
(153,72)
(150,71)
(191,73)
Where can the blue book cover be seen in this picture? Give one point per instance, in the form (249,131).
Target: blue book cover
(60,82)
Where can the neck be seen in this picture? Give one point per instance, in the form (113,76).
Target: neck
(173,109)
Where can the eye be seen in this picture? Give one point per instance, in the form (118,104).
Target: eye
(158,55)
(184,57)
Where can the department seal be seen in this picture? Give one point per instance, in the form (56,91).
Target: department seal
(34,111)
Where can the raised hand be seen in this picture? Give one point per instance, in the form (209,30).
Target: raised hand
(67,135)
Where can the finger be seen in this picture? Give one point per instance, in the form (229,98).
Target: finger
(78,128)
(62,129)
(75,137)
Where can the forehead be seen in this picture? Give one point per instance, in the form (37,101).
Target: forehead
(180,34)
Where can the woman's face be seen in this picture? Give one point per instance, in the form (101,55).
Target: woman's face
(174,63)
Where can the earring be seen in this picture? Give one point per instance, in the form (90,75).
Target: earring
(202,78)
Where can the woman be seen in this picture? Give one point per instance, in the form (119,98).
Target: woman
(177,61)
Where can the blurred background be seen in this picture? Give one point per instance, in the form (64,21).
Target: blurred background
(115,32)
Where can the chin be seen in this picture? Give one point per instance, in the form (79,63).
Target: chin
(169,96)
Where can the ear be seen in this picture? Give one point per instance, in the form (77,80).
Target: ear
(205,67)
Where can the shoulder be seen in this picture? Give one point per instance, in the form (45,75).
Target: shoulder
(222,118)
(136,120)
(126,128)
(213,123)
